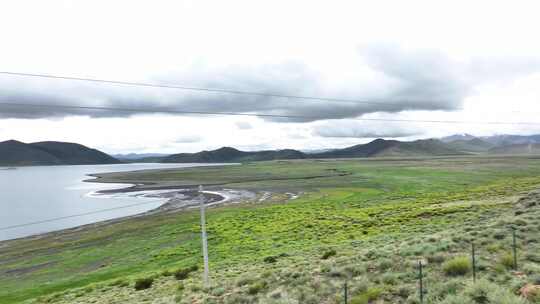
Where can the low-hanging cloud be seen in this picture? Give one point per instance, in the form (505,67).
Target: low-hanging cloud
(357,129)
(188,139)
(402,80)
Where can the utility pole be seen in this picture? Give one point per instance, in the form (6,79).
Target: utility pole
(203,237)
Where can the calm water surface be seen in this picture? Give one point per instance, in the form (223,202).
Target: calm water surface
(31,194)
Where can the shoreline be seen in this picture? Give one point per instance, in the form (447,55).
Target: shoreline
(177,198)
(191,200)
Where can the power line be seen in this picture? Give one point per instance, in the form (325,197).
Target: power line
(217,90)
(303,117)
(201,89)
(77,215)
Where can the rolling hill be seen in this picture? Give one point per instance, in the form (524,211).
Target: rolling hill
(381,148)
(16,153)
(228,154)
(508,140)
(470,145)
(520,149)
(376,148)
(138,156)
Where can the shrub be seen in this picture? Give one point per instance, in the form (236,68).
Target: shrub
(479,292)
(403,292)
(501,296)
(499,235)
(389,279)
(270,259)
(385,264)
(244,280)
(457,266)
(366,297)
(533,257)
(183,273)
(328,254)
(120,283)
(456,299)
(256,288)
(218,291)
(435,258)
(180,287)
(354,270)
(507,260)
(536,280)
(335,273)
(442,289)
(144,283)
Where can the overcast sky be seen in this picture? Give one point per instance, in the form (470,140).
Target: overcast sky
(428,60)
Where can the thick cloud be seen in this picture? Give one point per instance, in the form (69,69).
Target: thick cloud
(357,129)
(398,80)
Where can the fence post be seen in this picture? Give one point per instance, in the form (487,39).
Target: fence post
(473,253)
(345,293)
(514,247)
(420,277)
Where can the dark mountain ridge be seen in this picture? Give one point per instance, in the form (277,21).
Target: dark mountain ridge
(228,154)
(376,148)
(16,153)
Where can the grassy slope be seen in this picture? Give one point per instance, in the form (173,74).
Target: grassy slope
(378,201)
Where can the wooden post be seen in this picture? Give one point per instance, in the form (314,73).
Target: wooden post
(204,238)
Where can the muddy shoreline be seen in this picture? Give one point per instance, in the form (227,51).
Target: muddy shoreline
(176,198)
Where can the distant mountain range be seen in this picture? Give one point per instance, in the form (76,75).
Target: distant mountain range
(379,147)
(228,154)
(135,156)
(520,149)
(460,144)
(497,140)
(16,153)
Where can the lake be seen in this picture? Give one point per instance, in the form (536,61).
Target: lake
(35,194)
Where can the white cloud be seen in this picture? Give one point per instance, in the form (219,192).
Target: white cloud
(363,129)
(243,125)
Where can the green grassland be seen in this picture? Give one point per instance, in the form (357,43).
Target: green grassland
(367,222)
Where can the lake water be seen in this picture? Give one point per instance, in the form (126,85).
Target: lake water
(33,194)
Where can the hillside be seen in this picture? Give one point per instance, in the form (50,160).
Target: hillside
(381,148)
(507,140)
(376,148)
(142,157)
(470,145)
(306,232)
(522,149)
(227,155)
(456,137)
(427,147)
(15,153)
